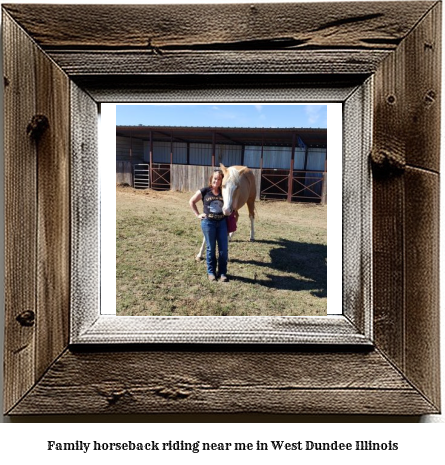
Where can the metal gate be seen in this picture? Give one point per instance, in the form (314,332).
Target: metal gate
(141,176)
(160,176)
(274,184)
(307,185)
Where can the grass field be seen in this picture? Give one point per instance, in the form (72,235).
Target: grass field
(157,238)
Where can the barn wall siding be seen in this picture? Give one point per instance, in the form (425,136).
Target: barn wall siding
(180,153)
(252,156)
(201,154)
(146,149)
(299,158)
(124,172)
(189,178)
(162,152)
(127,145)
(191,164)
(228,155)
(316,158)
(277,157)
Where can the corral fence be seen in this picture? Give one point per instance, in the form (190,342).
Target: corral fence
(271,184)
(160,177)
(141,176)
(299,186)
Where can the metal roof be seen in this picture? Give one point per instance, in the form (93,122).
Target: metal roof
(223,135)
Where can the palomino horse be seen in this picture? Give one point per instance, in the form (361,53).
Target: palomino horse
(238,188)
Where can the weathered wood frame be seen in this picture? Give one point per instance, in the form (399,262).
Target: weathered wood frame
(353,326)
(63,65)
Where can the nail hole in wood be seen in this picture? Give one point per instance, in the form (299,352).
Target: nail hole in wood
(37,126)
(26,318)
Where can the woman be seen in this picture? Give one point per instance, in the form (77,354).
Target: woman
(213,225)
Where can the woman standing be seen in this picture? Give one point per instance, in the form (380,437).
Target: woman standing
(213,225)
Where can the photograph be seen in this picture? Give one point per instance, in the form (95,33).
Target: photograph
(220,239)
(221,210)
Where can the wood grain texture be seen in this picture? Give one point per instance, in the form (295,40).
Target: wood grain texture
(223,382)
(388,268)
(423,92)
(38,188)
(333,329)
(216,62)
(20,213)
(422,364)
(160,27)
(389,144)
(356,209)
(53,230)
(388,202)
(85,240)
(408,89)
(406,206)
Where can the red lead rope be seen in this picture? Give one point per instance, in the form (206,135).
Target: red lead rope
(231,222)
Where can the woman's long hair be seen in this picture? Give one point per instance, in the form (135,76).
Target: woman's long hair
(211,176)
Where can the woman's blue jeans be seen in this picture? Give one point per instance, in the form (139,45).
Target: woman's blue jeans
(216,232)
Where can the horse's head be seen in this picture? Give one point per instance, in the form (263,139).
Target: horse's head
(230,185)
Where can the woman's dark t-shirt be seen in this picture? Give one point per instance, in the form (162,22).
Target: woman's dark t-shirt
(213,204)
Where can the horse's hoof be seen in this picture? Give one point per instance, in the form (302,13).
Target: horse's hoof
(198,259)
(251,240)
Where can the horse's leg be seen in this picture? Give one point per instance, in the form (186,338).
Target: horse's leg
(201,250)
(251,207)
(252,231)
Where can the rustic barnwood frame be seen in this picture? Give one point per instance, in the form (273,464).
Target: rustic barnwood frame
(353,326)
(56,71)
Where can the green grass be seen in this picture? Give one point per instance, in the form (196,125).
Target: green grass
(282,273)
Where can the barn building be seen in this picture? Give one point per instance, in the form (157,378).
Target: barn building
(288,163)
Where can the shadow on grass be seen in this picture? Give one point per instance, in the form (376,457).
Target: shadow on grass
(305,259)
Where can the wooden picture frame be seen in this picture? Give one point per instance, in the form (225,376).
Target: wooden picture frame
(353,326)
(56,72)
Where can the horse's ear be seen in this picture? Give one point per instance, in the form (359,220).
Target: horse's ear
(224,169)
(243,170)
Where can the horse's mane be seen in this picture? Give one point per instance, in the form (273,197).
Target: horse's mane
(234,175)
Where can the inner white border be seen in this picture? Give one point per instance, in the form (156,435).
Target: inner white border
(107,189)
(107,180)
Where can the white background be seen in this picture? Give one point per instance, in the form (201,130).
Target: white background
(22,440)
